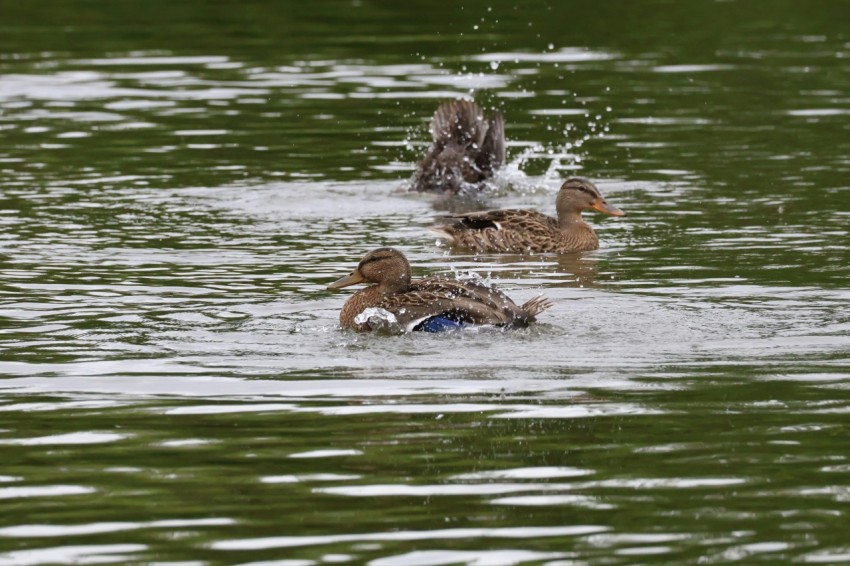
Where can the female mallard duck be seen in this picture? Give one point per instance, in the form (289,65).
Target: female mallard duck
(432,304)
(467,149)
(526,231)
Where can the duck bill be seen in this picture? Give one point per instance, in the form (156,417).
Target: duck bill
(606,208)
(352,278)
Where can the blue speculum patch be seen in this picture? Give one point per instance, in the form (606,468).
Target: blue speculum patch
(438,324)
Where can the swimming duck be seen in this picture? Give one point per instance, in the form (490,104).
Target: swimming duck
(432,304)
(466,149)
(527,231)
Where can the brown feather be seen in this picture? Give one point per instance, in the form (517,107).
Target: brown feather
(412,301)
(527,231)
(466,149)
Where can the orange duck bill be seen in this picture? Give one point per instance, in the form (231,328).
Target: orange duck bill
(352,278)
(606,208)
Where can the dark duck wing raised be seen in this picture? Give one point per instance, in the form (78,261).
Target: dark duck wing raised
(431,304)
(466,150)
(520,231)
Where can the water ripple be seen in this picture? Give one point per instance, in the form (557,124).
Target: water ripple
(75,554)
(442,534)
(44,491)
(44,531)
(70,438)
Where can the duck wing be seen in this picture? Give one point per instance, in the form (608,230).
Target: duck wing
(469,289)
(505,219)
(466,302)
(466,149)
(413,309)
(492,153)
(508,230)
(460,122)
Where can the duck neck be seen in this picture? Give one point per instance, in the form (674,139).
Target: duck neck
(570,220)
(577,231)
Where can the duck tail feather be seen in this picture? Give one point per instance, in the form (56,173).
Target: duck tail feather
(442,232)
(536,305)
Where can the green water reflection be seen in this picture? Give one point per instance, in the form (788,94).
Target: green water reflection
(179,182)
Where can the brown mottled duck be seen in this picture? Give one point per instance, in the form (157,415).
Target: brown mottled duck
(395,302)
(526,231)
(466,150)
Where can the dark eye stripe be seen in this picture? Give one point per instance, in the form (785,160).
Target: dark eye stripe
(584,189)
(378,255)
(372,259)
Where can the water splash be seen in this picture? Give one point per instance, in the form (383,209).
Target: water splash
(379,320)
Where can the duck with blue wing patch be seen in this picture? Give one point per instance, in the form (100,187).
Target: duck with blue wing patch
(432,304)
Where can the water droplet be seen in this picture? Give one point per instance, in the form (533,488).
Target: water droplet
(494,65)
(551,46)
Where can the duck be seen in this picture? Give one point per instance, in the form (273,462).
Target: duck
(466,150)
(399,304)
(520,231)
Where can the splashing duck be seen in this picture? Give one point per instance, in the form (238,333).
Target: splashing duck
(432,304)
(466,150)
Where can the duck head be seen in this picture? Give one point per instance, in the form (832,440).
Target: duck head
(579,194)
(384,267)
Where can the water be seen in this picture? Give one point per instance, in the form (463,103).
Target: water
(180,182)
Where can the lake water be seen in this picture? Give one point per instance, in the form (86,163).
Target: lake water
(181,180)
